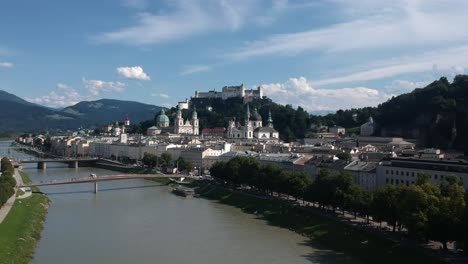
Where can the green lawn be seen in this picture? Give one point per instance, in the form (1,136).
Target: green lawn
(332,234)
(22,228)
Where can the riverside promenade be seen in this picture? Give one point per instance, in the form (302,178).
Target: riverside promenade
(7,206)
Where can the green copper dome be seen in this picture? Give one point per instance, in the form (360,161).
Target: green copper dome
(162,117)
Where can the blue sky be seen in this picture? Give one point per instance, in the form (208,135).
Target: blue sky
(322,55)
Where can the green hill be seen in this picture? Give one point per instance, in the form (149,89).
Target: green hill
(436,114)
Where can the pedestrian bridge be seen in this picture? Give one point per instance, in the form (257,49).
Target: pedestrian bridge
(72,162)
(96,179)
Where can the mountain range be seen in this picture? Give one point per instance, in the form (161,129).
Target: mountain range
(19,115)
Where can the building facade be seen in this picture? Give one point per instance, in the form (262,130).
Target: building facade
(233,92)
(368,128)
(253,128)
(403,171)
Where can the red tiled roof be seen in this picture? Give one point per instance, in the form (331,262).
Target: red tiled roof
(214,130)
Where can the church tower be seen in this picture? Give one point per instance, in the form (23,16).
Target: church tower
(178,122)
(195,123)
(257,119)
(270,120)
(248,128)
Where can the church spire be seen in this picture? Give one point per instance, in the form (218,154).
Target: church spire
(194,114)
(247,114)
(270,120)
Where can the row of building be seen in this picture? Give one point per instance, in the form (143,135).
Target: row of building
(252,127)
(372,165)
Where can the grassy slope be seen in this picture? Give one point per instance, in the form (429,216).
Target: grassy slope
(334,235)
(22,228)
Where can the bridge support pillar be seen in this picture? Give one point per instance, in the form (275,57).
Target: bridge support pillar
(73,164)
(95,187)
(41,165)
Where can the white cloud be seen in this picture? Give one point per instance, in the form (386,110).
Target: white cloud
(398,87)
(440,62)
(62,96)
(299,92)
(162,95)
(181,19)
(196,68)
(6,64)
(135,72)
(95,87)
(369,25)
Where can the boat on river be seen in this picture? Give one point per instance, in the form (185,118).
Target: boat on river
(183,191)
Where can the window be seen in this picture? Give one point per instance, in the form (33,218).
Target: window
(391,172)
(407,183)
(407,174)
(412,174)
(391,181)
(386,172)
(386,180)
(397,181)
(396,172)
(435,177)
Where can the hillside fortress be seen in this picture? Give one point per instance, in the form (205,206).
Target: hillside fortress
(232,92)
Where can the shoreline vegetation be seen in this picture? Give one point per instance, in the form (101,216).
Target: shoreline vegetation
(360,244)
(21,229)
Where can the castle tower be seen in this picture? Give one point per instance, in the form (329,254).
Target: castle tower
(195,123)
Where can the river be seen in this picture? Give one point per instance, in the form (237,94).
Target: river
(140,220)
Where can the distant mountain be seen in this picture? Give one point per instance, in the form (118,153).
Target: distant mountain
(97,113)
(18,115)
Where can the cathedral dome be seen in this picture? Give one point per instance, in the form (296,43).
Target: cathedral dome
(162,117)
(256,116)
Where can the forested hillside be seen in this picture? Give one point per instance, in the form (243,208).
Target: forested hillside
(436,114)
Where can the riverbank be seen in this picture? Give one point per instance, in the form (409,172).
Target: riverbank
(364,246)
(22,228)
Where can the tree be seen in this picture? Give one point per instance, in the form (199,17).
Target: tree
(184,165)
(385,205)
(298,182)
(150,160)
(165,159)
(344,156)
(446,223)
(266,179)
(218,170)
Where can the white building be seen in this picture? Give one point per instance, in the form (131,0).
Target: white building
(368,128)
(252,128)
(183,105)
(232,92)
(405,171)
(337,130)
(189,127)
(364,173)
